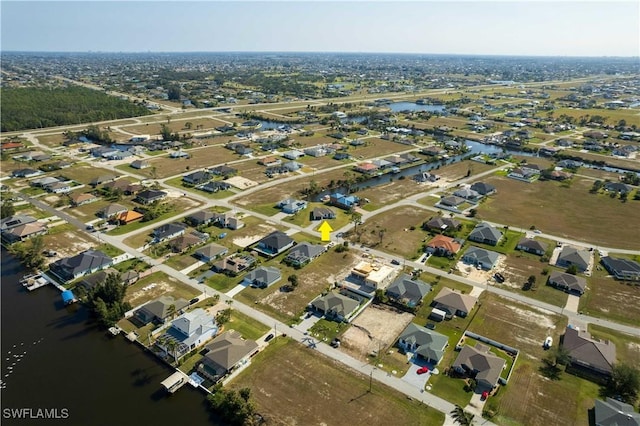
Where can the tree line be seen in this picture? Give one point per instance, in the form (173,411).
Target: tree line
(37,107)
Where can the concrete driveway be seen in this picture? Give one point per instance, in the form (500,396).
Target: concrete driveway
(415,379)
(572,303)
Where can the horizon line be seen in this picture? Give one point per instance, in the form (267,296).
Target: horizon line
(315,52)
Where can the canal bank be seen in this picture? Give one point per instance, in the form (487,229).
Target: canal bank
(55,357)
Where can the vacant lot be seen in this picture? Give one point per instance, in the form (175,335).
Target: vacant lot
(155,285)
(375,329)
(608,298)
(292,386)
(162,167)
(570,212)
(84,173)
(175,126)
(392,232)
(313,279)
(532,399)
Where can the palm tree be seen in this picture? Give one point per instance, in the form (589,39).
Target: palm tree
(462,417)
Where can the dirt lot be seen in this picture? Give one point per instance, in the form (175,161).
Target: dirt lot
(587,217)
(398,237)
(164,166)
(156,285)
(375,329)
(293,386)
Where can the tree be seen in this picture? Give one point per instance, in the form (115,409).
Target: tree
(624,383)
(572,269)
(223,316)
(462,417)
(165,132)
(356,219)
(381,233)
(293,280)
(106,300)
(7,209)
(188,125)
(235,407)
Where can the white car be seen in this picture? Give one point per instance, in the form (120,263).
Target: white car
(548,342)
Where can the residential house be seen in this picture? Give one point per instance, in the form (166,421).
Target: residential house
(224,171)
(263,277)
(454,303)
(44,181)
(294,154)
(210,252)
(270,161)
(225,353)
(366,168)
(179,154)
(440,223)
(102,179)
(570,283)
(87,262)
(523,174)
(197,178)
(451,201)
(16,220)
(58,187)
(442,245)
(373,275)
(407,290)
(292,206)
(479,257)
(316,151)
(618,187)
(89,282)
(291,166)
(234,264)
(622,269)
(112,210)
(573,256)
(480,363)
(149,196)
(483,188)
(341,156)
(433,151)
(322,213)
(485,234)
(303,253)
(468,194)
(274,244)
(168,231)
(26,173)
(127,217)
(140,164)
(186,241)
(425,343)
(532,246)
(335,306)
(214,186)
(189,331)
(24,232)
(615,413)
(346,202)
(587,352)
(82,199)
(203,217)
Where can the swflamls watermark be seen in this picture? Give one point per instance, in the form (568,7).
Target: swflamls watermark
(35,413)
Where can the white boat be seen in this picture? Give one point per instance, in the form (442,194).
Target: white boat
(114,331)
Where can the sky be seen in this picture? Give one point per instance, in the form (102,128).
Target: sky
(540,28)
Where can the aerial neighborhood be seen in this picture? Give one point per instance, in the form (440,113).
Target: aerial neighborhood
(466,242)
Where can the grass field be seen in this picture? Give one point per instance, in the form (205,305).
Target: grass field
(293,386)
(165,166)
(165,286)
(398,238)
(583,216)
(611,299)
(248,327)
(627,347)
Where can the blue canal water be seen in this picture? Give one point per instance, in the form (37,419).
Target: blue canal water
(54,357)
(411,106)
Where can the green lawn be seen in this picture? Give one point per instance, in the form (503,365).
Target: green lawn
(449,388)
(245,325)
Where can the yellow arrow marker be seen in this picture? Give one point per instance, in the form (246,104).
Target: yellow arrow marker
(325,229)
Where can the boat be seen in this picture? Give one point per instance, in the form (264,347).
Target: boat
(114,331)
(395,170)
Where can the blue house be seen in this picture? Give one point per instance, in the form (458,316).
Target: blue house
(346,202)
(291,205)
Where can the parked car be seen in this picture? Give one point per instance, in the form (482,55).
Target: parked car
(499,277)
(269,337)
(194,300)
(548,342)
(395,262)
(485,395)
(335,342)
(431,326)
(423,370)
